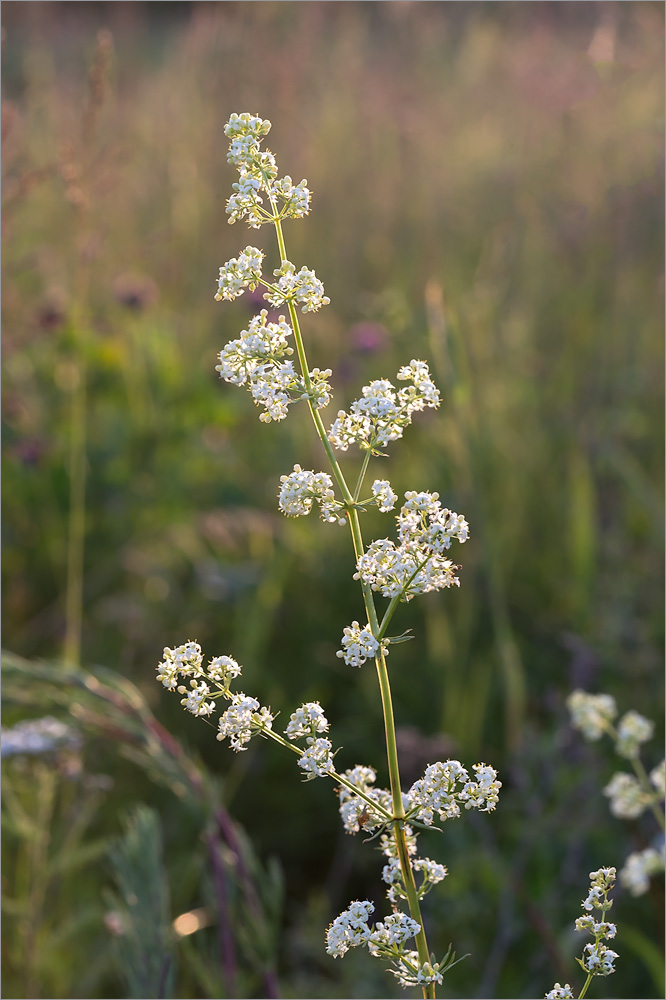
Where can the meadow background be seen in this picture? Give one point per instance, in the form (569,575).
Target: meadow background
(488,195)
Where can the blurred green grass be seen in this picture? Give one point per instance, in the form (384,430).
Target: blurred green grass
(488,194)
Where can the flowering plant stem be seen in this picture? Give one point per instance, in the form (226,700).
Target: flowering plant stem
(380,660)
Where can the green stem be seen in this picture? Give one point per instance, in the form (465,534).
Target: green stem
(641,774)
(586,986)
(349,785)
(382,673)
(361,475)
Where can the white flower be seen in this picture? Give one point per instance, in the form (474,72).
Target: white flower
(381,414)
(560,992)
(301,488)
(296,197)
(437,791)
(384,496)
(417,565)
(628,799)
(182,661)
(432,871)
(307,720)
(638,868)
(396,929)
(600,883)
(355,812)
(359,645)
(242,719)
(303,286)
(195,700)
(632,730)
(658,779)
(317,759)
(482,794)
(240,273)
(34,737)
(350,929)
(598,959)
(603,929)
(591,713)
(223,669)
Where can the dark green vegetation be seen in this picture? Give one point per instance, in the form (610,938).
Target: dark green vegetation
(488,195)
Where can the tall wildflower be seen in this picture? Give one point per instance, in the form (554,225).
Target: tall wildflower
(269,359)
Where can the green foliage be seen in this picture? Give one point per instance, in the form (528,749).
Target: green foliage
(144,942)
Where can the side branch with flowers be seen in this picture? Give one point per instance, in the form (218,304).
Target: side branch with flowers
(270,360)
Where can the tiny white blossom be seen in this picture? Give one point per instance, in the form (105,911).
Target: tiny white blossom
(591,713)
(560,993)
(355,812)
(358,645)
(303,287)
(307,720)
(384,496)
(242,719)
(432,871)
(627,798)
(195,700)
(598,959)
(350,929)
(296,197)
(223,669)
(438,792)
(182,661)
(301,488)
(632,730)
(381,414)
(240,273)
(639,866)
(317,759)
(396,929)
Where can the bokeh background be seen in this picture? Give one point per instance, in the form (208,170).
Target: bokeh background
(488,195)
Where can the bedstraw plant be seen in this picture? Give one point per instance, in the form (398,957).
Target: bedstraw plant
(269,359)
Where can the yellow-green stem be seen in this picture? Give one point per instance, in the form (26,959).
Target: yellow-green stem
(382,672)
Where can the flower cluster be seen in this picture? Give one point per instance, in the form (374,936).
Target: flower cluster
(35,737)
(438,792)
(591,713)
(359,645)
(303,287)
(239,722)
(381,414)
(629,794)
(258,173)
(638,867)
(308,720)
(350,929)
(256,359)
(597,957)
(384,496)
(356,813)
(416,565)
(301,488)
(240,273)
(317,758)
(244,718)
(560,992)
(632,730)
(387,940)
(627,798)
